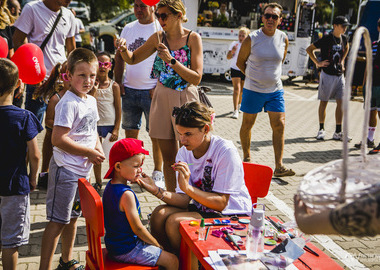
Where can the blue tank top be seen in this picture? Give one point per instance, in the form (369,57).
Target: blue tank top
(165,74)
(119,238)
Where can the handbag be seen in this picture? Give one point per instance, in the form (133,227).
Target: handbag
(203,97)
(43,45)
(351,178)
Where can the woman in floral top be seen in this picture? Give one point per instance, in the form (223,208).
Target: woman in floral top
(178,68)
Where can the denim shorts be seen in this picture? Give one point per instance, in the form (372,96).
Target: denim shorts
(254,102)
(36,106)
(134,103)
(104,130)
(15,220)
(62,197)
(143,254)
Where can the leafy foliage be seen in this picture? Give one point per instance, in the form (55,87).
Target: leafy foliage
(101,8)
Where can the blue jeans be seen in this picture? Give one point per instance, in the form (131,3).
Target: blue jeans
(36,106)
(134,103)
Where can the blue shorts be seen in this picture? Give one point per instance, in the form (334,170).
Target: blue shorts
(134,103)
(36,106)
(104,130)
(143,254)
(254,102)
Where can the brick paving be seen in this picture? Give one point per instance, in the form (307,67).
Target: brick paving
(302,153)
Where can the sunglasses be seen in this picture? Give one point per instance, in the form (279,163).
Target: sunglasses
(105,64)
(64,77)
(163,16)
(273,16)
(185,113)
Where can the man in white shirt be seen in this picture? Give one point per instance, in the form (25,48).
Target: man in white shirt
(33,25)
(79,30)
(138,86)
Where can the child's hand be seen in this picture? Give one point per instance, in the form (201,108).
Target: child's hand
(183,174)
(95,157)
(147,183)
(114,135)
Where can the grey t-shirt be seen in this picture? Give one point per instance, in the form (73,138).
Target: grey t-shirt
(264,65)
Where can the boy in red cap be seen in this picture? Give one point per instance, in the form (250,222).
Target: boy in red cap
(126,239)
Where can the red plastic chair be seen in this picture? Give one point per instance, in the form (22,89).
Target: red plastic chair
(92,208)
(257,179)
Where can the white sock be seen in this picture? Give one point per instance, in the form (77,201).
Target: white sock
(371,133)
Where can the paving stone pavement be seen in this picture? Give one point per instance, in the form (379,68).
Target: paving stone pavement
(302,153)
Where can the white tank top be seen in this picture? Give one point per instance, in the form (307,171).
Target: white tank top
(106,107)
(264,64)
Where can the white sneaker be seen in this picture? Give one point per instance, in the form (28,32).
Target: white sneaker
(321,134)
(158,178)
(338,136)
(235,115)
(239,108)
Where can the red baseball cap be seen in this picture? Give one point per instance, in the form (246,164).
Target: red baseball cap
(122,150)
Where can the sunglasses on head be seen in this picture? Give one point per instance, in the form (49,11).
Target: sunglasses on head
(184,112)
(105,64)
(273,16)
(163,16)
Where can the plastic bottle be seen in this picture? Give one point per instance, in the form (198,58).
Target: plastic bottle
(255,234)
(202,230)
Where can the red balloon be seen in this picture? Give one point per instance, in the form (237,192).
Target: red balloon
(30,62)
(150,2)
(3,47)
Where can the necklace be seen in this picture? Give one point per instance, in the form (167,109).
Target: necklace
(340,40)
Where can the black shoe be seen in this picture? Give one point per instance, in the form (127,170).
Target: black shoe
(370,144)
(43,180)
(375,150)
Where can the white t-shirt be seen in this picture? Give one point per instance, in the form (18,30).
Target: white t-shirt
(235,57)
(36,20)
(80,115)
(79,26)
(138,76)
(218,13)
(219,170)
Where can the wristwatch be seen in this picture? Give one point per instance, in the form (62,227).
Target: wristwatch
(172,62)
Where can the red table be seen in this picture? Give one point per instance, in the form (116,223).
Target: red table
(190,243)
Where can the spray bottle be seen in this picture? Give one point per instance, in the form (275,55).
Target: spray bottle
(255,234)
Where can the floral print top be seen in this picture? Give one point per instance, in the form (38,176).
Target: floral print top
(166,75)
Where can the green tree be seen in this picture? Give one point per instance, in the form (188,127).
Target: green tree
(341,7)
(106,6)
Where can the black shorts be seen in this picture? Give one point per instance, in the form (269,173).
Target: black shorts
(237,74)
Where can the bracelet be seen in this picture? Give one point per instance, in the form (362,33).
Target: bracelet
(158,190)
(163,195)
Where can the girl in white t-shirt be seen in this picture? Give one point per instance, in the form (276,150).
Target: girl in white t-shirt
(107,94)
(209,171)
(236,75)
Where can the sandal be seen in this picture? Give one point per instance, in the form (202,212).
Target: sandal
(282,171)
(247,159)
(97,187)
(66,266)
